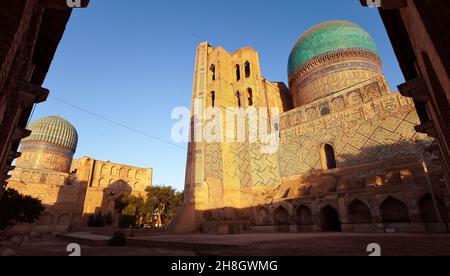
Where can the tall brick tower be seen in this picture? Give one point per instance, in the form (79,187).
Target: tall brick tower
(227,82)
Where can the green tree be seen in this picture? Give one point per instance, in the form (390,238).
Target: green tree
(121,203)
(128,203)
(130,209)
(135,210)
(16,208)
(164,199)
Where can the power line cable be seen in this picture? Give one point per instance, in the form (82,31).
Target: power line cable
(117,123)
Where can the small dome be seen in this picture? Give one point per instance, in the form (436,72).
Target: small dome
(329,37)
(53,130)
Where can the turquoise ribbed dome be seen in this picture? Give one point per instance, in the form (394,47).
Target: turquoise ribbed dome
(53,130)
(328,37)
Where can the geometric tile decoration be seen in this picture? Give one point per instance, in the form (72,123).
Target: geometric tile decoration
(375,130)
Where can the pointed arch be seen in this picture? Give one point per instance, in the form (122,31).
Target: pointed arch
(325,111)
(250,96)
(428,210)
(262,217)
(64,220)
(328,157)
(394,211)
(359,212)
(238,72)
(329,220)
(281,216)
(45,219)
(239,100)
(104,170)
(303,215)
(102,182)
(213,72)
(247,69)
(114,171)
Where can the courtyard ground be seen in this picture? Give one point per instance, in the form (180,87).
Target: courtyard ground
(295,244)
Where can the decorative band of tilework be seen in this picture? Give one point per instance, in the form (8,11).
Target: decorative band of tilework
(329,57)
(28,146)
(336,68)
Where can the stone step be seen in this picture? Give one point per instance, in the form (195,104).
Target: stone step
(85,238)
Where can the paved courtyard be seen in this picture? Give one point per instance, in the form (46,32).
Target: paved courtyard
(320,244)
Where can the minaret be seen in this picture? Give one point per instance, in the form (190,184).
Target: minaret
(185,221)
(219,166)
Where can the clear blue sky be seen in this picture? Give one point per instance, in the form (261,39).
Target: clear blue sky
(133,61)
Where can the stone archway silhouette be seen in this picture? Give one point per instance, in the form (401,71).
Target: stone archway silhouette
(359,212)
(394,211)
(262,217)
(303,216)
(329,220)
(428,210)
(281,216)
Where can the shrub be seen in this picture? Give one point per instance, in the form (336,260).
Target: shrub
(119,239)
(108,219)
(91,221)
(99,221)
(126,222)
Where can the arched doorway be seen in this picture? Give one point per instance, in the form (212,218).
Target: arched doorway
(63,223)
(64,220)
(303,215)
(428,210)
(262,217)
(325,111)
(359,212)
(281,216)
(329,220)
(328,157)
(45,223)
(45,219)
(394,211)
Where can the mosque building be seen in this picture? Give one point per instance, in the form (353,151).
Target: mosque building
(349,157)
(71,190)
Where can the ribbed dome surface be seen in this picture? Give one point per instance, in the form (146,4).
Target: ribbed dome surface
(329,37)
(54,130)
